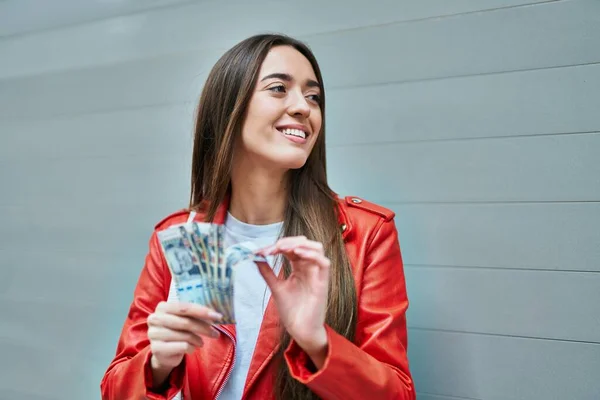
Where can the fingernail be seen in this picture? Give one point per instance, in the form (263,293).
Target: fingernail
(214,333)
(215,315)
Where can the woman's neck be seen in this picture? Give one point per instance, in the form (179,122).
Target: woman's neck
(258,197)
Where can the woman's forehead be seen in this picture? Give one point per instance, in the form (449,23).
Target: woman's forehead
(287,60)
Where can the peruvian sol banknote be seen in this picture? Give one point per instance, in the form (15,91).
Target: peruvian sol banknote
(201,267)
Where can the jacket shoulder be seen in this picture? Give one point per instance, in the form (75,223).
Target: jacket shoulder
(357,206)
(177,217)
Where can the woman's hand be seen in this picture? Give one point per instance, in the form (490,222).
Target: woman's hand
(301,299)
(175,329)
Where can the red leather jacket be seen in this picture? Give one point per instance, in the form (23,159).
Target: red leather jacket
(375,366)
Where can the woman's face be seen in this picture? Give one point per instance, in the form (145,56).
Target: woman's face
(283,119)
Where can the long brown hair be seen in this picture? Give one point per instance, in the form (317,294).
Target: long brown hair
(312,207)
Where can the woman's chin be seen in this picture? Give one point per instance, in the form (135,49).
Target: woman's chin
(290,164)
(289,161)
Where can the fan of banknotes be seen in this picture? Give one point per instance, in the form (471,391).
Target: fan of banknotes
(201,266)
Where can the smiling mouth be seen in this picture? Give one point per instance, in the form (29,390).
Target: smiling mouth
(294,132)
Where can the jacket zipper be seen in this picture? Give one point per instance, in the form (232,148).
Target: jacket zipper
(232,362)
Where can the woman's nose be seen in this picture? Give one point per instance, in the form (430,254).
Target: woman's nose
(299,105)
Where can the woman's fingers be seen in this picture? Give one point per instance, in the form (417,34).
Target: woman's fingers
(268,275)
(166,350)
(288,244)
(191,310)
(308,253)
(169,335)
(178,323)
(316,257)
(174,329)
(306,244)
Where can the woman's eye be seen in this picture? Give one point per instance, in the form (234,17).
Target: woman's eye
(314,97)
(278,89)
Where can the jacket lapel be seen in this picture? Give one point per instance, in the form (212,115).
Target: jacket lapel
(267,342)
(266,345)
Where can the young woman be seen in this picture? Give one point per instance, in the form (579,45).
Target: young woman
(325,318)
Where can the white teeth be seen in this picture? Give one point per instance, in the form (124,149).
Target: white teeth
(294,132)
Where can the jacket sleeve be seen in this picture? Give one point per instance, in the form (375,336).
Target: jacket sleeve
(129,375)
(377,366)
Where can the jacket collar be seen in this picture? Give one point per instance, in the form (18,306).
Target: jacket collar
(221,213)
(344,222)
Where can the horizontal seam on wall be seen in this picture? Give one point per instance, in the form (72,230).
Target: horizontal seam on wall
(414,328)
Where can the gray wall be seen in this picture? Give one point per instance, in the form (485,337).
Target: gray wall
(477,121)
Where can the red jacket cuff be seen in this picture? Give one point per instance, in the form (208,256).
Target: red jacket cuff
(171,388)
(345,363)
(300,364)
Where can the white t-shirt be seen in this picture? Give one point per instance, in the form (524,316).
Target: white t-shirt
(250,297)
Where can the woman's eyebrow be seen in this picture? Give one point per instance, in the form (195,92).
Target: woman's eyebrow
(288,78)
